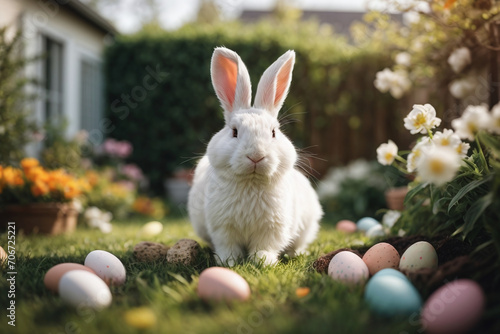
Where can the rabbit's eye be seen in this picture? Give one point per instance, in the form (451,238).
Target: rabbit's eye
(274,133)
(235,133)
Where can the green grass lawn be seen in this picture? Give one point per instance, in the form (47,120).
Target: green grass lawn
(170,290)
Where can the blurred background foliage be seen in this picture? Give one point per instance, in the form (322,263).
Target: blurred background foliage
(339,114)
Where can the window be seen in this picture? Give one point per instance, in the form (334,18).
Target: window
(92,101)
(52,79)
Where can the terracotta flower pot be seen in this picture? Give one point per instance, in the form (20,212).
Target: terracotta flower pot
(46,218)
(395,198)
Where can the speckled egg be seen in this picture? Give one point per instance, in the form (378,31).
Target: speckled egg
(390,296)
(346,226)
(380,256)
(454,308)
(82,289)
(348,268)
(106,266)
(418,256)
(375,231)
(217,283)
(54,274)
(364,224)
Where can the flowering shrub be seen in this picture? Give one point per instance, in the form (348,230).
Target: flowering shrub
(353,191)
(32,183)
(150,207)
(456,188)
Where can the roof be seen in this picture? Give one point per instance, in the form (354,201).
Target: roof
(341,21)
(90,15)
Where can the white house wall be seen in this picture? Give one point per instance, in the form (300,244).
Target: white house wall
(80,40)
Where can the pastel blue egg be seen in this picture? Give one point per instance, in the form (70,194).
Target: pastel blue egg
(390,272)
(364,224)
(390,296)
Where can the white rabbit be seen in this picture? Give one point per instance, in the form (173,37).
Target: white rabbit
(247,196)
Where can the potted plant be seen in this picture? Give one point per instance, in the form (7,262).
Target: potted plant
(39,200)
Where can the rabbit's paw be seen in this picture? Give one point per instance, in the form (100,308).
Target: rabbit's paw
(268,258)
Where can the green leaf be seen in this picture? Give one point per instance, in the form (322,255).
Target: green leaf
(414,192)
(475,211)
(490,142)
(468,188)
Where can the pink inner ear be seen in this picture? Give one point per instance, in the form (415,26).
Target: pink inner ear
(282,80)
(226,76)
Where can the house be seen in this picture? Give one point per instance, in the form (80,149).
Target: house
(70,38)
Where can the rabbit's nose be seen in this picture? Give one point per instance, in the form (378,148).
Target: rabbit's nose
(255,159)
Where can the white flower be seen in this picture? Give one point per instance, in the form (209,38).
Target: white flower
(461,88)
(397,83)
(421,119)
(403,59)
(438,165)
(473,119)
(387,152)
(416,153)
(448,138)
(462,149)
(459,59)
(495,119)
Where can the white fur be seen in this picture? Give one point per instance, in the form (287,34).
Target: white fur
(243,207)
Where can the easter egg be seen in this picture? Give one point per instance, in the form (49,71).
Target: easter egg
(390,272)
(364,224)
(54,274)
(453,308)
(380,256)
(420,255)
(80,288)
(217,283)
(375,231)
(140,317)
(346,226)
(3,255)
(389,295)
(106,266)
(152,228)
(348,268)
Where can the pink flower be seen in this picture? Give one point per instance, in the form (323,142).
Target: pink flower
(115,148)
(132,171)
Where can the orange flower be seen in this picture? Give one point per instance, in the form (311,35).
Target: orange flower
(449,3)
(36,173)
(12,176)
(28,163)
(71,189)
(92,177)
(39,188)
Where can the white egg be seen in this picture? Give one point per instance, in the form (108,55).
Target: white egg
(80,289)
(106,266)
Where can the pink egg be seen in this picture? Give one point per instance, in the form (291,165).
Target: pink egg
(346,226)
(454,308)
(54,274)
(348,268)
(381,256)
(219,283)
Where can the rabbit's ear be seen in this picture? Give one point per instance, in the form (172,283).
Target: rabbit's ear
(231,81)
(274,84)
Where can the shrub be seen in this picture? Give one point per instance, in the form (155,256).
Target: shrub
(161,99)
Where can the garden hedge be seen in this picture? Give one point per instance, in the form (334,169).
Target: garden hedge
(160,97)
